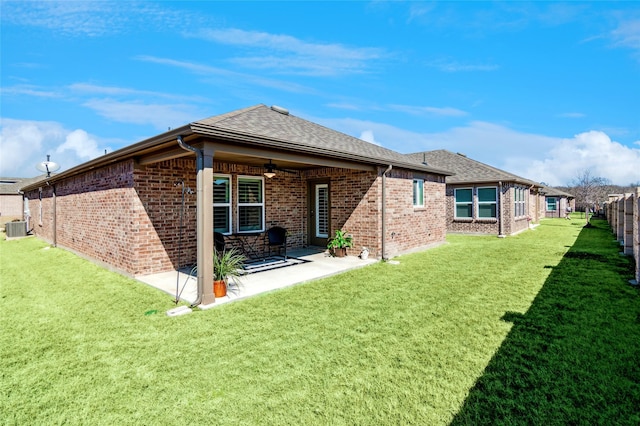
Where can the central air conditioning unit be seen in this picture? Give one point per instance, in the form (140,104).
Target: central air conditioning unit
(15,229)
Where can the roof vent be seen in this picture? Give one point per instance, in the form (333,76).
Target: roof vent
(461,154)
(279,109)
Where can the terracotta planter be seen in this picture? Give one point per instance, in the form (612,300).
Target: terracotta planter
(219,288)
(340,252)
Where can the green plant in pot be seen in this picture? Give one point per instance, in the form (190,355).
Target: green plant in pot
(339,243)
(226,263)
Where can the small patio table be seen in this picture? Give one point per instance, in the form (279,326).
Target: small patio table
(248,242)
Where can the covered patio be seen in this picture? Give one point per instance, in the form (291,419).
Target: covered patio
(307,265)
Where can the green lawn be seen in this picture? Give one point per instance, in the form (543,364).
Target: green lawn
(540,328)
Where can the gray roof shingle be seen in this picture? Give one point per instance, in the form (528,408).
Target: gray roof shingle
(270,125)
(551,191)
(467,170)
(12,185)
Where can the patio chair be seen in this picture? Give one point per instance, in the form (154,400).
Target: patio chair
(277,240)
(218,241)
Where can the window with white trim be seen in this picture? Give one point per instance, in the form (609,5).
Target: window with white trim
(222,204)
(250,204)
(418,193)
(552,204)
(463,203)
(487,202)
(322,210)
(519,202)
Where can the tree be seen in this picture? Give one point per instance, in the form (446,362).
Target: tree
(590,191)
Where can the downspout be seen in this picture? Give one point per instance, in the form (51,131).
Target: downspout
(199,166)
(500,218)
(384,208)
(55,216)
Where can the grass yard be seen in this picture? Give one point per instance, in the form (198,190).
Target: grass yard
(539,328)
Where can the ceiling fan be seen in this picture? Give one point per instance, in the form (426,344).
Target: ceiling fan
(270,170)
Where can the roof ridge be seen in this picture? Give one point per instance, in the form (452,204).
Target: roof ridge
(463,158)
(221,117)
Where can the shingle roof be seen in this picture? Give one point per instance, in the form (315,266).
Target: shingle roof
(264,127)
(295,132)
(551,191)
(12,185)
(467,170)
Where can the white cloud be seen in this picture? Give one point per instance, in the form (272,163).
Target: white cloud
(81,144)
(571,115)
(449,65)
(94,89)
(159,116)
(592,150)
(28,90)
(367,136)
(554,160)
(97,18)
(26,143)
(429,110)
(627,34)
(218,76)
(290,55)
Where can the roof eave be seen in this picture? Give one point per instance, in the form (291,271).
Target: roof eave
(113,157)
(245,137)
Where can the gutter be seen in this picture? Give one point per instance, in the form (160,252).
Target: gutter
(384,208)
(200,252)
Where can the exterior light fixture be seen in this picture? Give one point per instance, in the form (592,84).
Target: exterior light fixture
(270,170)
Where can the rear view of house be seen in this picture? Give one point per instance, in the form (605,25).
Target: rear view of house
(249,170)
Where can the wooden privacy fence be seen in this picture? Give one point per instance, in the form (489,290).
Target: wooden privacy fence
(623,214)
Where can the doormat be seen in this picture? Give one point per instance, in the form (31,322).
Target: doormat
(271,263)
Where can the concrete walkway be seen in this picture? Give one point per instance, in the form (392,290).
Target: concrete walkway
(309,265)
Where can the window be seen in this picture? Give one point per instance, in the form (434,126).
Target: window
(418,193)
(552,204)
(222,204)
(464,203)
(519,203)
(487,202)
(322,210)
(250,204)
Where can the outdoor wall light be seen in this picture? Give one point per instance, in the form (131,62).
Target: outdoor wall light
(270,170)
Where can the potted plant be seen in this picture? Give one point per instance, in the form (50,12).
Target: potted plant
(339,243)
(226,263)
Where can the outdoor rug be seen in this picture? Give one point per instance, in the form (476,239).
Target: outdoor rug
(271,263)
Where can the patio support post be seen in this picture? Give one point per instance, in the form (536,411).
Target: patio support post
(204,208)
(204,220)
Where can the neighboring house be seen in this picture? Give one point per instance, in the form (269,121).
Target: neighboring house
(11,199)
(125,208)
(483,199)
(557,201)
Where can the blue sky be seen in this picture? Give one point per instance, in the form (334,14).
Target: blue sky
(544,90)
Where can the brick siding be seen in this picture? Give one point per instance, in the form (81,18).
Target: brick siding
(128,217)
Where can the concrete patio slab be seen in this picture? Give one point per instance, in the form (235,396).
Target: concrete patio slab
(314,265)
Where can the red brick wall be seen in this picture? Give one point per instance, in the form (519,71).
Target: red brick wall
(93,215)
(410,228)
(156,212)
(129,217)
(469,225)
(506,203)
(356,206)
